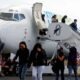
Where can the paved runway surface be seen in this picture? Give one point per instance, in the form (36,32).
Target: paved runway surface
(30,78)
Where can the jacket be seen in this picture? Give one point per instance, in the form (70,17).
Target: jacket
(23,56)
(38,58)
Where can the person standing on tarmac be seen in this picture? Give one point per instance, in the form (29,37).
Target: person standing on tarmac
(23,54)
(60,63)
(72,62)
(39,58)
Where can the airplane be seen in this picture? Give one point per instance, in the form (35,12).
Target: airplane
(18,25)
(32,25)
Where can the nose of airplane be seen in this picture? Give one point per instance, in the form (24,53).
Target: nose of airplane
(1,21)
(3,24)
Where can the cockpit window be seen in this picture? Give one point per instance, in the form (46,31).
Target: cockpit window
(12,16)
(22,16)
(16,17)
(19,16)
(6,16)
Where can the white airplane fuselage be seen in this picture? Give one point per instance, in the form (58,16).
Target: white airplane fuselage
(14,31)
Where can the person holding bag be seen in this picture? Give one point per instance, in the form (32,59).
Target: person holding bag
(60,63)
(57,63)
(54,64)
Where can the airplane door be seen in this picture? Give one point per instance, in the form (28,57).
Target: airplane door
(37,15)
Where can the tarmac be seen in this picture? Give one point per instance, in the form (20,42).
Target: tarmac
(45,77)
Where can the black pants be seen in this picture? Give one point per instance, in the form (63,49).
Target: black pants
(61,69)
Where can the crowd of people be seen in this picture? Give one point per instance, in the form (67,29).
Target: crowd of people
(38,60)
(73,25)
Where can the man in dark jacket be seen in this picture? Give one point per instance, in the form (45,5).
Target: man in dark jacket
(23,54)
(74,25)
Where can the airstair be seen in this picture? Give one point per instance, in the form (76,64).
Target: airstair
(64,35)
(59,32)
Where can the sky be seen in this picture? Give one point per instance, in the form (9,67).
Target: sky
(62,7)
(70,7)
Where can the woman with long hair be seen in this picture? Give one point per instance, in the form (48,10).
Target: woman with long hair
(72,62)
(39,59)
(23,54)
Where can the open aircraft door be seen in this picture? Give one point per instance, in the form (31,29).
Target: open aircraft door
(37,17)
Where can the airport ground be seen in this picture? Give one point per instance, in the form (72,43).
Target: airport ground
(48,75)
(45,77)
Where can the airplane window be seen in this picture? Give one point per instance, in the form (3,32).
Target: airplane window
(16,17)
(6,16)
(19,17)
(22,16)
(12,16)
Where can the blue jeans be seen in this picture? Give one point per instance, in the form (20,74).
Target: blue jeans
(22,71)
(74,68)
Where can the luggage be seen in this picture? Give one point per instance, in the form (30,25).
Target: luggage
(54,65)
